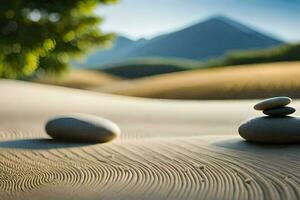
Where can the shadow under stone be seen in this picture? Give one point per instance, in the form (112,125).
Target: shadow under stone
(42,144)
(252,147)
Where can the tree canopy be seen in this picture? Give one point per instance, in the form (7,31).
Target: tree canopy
(44,34)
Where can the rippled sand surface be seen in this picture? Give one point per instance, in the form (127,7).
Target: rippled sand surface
(168,150)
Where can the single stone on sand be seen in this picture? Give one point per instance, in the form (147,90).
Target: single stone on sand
(82,128)
(279,112)
(279,130)
(272,103)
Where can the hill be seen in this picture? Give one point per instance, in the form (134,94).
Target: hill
(287,52)
(155,66)
(240,82)
(208,39)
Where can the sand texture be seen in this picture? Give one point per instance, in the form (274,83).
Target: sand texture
(168,150)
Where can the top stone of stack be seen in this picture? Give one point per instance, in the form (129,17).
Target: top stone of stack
(275,102)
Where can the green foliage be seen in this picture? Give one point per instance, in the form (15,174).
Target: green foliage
(276,54)
(43,34)
(148,67)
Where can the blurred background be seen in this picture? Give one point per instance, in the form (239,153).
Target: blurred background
(192,49)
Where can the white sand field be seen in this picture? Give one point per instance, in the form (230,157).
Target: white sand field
(168,150)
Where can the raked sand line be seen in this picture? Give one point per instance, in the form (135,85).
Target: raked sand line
(169,150)
(182,168)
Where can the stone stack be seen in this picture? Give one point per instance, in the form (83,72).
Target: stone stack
(275,107)
(276,127)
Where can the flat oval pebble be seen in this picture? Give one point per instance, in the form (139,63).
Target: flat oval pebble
(272,103)
(276,130)
(82,128)
(279,112)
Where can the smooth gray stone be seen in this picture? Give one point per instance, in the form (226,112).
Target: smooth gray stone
(280,112)
(82,128)
(272,103)
(277,130)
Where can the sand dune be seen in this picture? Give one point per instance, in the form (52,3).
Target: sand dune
(168,150)
(235,82)
(79,78)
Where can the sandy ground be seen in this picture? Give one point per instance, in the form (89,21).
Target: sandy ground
(168,150)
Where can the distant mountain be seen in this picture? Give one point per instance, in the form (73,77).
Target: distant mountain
(208,39)
(100,56)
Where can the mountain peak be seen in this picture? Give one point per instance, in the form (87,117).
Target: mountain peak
(231,22)
(219,17)
(208,39)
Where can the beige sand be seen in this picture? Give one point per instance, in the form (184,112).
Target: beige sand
(79,78)
(168,150)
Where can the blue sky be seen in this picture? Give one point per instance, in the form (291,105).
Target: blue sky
(149,18)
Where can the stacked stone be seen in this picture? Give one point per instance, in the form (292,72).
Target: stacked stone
(276,127)
(276,107)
